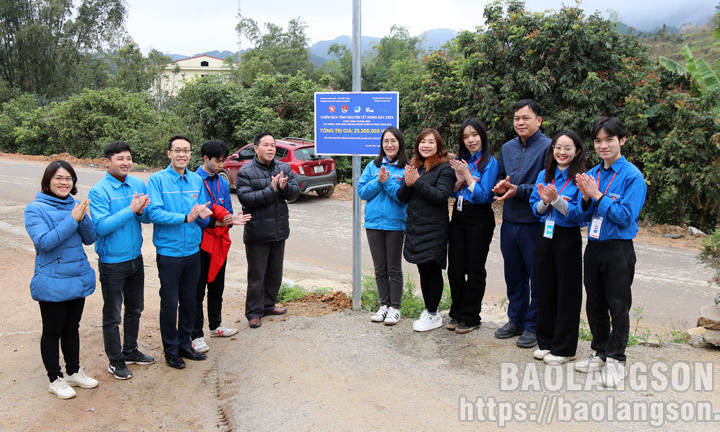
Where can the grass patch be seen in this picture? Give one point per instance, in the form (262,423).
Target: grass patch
(412,304)
(294,293)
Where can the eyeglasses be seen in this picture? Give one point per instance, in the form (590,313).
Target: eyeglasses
(389,141)
(181,151)
(65,179)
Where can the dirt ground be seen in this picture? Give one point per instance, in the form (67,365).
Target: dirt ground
(321,367)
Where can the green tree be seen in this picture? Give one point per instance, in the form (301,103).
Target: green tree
(276,50)
(43,42)
(133,71)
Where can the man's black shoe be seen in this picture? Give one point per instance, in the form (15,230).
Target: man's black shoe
(136,357)
(191,354)
(527,340)
(175,361)
(507,331)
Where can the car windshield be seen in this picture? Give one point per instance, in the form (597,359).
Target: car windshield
(305,153)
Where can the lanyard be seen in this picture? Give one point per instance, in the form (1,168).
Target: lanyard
(210,191)
(559,192)
(471,170)
(608,186)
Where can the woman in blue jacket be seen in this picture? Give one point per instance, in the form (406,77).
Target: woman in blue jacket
(385,221)
(471,226)
(58,226)
(556,201)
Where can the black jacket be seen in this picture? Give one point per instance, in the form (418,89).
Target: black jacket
(427,224)
(268,208)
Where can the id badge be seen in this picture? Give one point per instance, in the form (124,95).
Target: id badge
(595,226)
(549,228)
(460,203)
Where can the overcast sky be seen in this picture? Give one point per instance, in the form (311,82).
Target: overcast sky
(191,26)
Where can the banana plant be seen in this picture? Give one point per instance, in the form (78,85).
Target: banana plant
(703,78)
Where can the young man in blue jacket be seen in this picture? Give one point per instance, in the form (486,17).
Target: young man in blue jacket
(216,190)
(613,196)
(118,203)
(177,209)
(521,160)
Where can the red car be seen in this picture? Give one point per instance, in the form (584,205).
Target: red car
(312,172)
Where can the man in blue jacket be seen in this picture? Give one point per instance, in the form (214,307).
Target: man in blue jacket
(521,160)
(217,191)
(177,209)
(117,204)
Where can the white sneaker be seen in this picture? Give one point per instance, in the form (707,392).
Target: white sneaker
(61,389)
(554,360)
(591,364)
(200,346)
(380,315)
(393,316)
(427,322)
(79,379)
(222,332)
(613,373)
(540,354)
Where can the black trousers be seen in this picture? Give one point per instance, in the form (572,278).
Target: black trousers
(609,273)
(178,283)
(386,249)
(558,274)
(215,291)
(61,323)
(471,231)
(265,268)
(431,284)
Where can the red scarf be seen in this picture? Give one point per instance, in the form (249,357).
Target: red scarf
(216,242)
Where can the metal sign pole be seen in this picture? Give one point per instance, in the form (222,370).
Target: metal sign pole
(356,87)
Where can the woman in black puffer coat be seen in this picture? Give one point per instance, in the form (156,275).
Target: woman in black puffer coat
(426,188)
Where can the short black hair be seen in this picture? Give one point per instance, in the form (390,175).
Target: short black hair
(534,106)
(116,147)
(612,126)
(261,135)
(50,171)
(178,137)
(214,149)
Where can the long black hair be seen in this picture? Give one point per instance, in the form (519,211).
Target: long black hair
(402,157)
(463,152)
(577,166)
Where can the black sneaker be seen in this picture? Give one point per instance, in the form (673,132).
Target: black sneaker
(119,369)
(136,357)
(452,324)
(527,340)
(507,331)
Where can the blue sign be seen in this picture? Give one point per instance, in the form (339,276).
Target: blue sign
(352,123)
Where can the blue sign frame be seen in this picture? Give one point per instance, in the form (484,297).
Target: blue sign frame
(351,124)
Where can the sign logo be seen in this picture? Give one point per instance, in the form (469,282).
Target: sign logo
(344,109)
(332,108)
(357,108)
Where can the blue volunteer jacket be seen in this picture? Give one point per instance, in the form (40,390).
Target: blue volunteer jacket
(570,193)
(623,201)
(172,196)
(383,211)
(118,228)
(216,190)
(522,162)
(484,181)
(62,270)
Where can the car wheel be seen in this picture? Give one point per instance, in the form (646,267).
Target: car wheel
(226,176)
(324,193)
(292,200)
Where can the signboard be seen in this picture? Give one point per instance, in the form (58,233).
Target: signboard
(352,123)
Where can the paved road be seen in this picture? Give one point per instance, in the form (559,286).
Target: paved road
(669,284)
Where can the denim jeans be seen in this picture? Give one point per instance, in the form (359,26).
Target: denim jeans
(122,283)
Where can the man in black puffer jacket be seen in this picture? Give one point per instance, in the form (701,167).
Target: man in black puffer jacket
(263,185)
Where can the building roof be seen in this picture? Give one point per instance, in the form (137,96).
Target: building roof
(202,55)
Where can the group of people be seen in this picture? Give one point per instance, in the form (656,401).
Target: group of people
(192,213)
(547,197)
